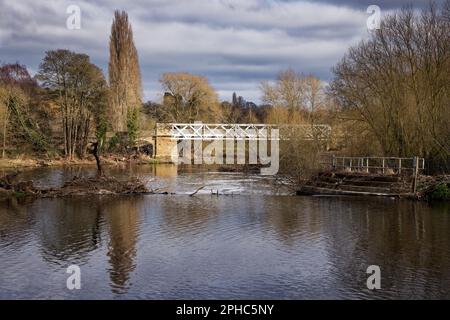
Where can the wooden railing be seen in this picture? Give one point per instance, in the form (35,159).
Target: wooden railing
(381,165)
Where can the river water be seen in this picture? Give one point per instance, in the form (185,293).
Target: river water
(253,241)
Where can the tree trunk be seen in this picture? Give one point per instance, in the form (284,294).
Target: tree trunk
(97,159)
(4,135)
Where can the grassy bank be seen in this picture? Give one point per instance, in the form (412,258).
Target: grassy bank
(35,162)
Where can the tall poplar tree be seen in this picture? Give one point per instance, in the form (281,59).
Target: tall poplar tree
(124,75)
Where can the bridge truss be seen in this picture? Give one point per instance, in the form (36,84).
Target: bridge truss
(207,131)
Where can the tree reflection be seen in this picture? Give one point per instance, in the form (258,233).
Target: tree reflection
(70,240)
(14,219)
(122,219)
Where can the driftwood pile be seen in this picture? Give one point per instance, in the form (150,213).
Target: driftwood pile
(99,185)
(9,187)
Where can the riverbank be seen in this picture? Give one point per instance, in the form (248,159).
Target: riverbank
(23,162)
(429,188)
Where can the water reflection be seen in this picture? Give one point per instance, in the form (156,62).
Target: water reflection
(189,216)
(56,177)
(409,241)
(122,219)
(164,177)
(177,246)
(68,230)
(14,219)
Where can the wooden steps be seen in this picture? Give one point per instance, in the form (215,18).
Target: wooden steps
(309,190)
(342,183)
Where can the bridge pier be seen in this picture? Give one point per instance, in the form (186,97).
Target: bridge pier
(166,149)
(165,146)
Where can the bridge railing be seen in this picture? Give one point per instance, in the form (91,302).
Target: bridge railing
(383,165)
(200,131)
(220,131)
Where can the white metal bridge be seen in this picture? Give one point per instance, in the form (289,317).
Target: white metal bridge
(220,131)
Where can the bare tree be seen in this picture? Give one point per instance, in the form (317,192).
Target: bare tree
(79,88)
(190,98)
(296,97)
(399,83)
(19,105)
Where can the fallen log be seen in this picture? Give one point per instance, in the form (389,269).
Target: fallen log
(196,191)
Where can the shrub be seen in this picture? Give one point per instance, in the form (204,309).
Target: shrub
(441,192)
(113,142)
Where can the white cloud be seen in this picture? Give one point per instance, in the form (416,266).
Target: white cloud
(236,44)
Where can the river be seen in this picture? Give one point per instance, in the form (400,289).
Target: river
(252,241)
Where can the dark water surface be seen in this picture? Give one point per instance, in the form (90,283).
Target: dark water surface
(254,242)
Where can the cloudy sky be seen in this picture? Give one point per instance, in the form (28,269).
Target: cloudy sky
(236,44)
